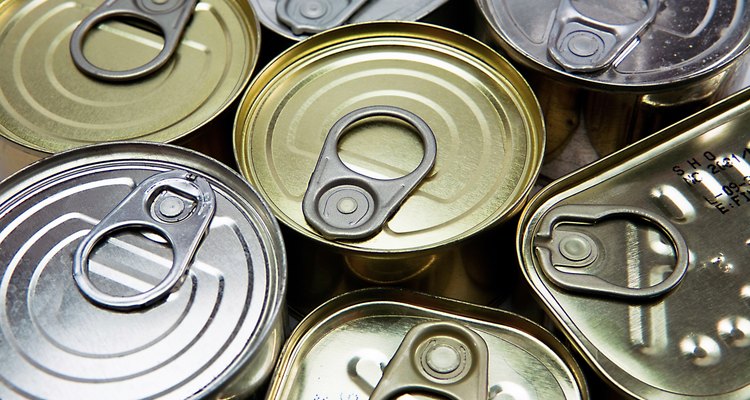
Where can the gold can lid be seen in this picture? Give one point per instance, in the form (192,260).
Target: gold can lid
(485,119)
(48,105)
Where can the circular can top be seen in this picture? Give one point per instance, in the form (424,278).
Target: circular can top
(196,339)
(486,122)
(49,105)
(298,19)
(627,44)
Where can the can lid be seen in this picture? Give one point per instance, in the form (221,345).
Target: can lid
(49,105)
(379,344)
(484,117)
(298,19)
(622,43)
(67,332)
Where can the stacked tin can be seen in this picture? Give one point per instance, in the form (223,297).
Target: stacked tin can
(394,154)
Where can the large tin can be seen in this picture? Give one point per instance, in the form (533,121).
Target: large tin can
(641,258)
(137,270)
(631,67)
(379,344)
(478,122)
(47,104)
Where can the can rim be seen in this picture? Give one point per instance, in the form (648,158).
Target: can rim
(518,54)
(43,170)
(401,29)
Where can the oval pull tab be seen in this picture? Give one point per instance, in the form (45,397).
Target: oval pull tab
(582,44)
(343,204)
(441,358)
(578,250)
(170,16)
(176,204)
(313,16)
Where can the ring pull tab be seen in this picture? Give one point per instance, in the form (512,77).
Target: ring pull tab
(441,358)
(570,249)
(343,204)
(176,204)
(170,16)
(582,44)
(313,16)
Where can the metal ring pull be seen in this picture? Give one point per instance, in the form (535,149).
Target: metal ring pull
(586,283)
(170,16)
(582,44)
(313,16)
(443,358)
(179,206)
(343,204)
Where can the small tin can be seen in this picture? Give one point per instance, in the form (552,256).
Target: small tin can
(379,344)
(654,239)
(330,131)
(49,103)
(137,270)
(630,67)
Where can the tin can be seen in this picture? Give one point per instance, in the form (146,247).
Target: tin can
(400,97)
(376,343)
(630,67)
(48,104)
(137,270)
(654,238)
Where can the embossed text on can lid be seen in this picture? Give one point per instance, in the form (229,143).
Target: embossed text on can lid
(47,104)
(370,343)
(485,119)
(627,44)
(691,338)
(61,339)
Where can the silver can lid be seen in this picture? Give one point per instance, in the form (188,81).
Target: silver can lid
(94,304)
(630,44)
(298,19)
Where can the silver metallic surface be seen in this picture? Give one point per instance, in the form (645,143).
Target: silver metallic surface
(372,10)
(158,204)
(343,204)
(580,43)
(313,16)
(548,243)
(170,17)
(692,342)
(417,366)
(217,336)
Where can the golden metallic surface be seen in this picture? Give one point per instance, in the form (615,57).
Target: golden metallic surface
(48,105)
(339,351)
(691,342)
(487,122)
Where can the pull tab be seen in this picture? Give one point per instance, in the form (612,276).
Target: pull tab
(313,16)
(577,250)
(170,16)
(343,204)
(177,204)
(581,44)
(442,358)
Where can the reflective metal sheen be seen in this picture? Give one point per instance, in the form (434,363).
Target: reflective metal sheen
(48,105)
(298,19)
(411,346)
(215,335)
(692,341)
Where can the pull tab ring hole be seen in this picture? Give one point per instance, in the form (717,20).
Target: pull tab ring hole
(130,261)
(122,43)
(381,147)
